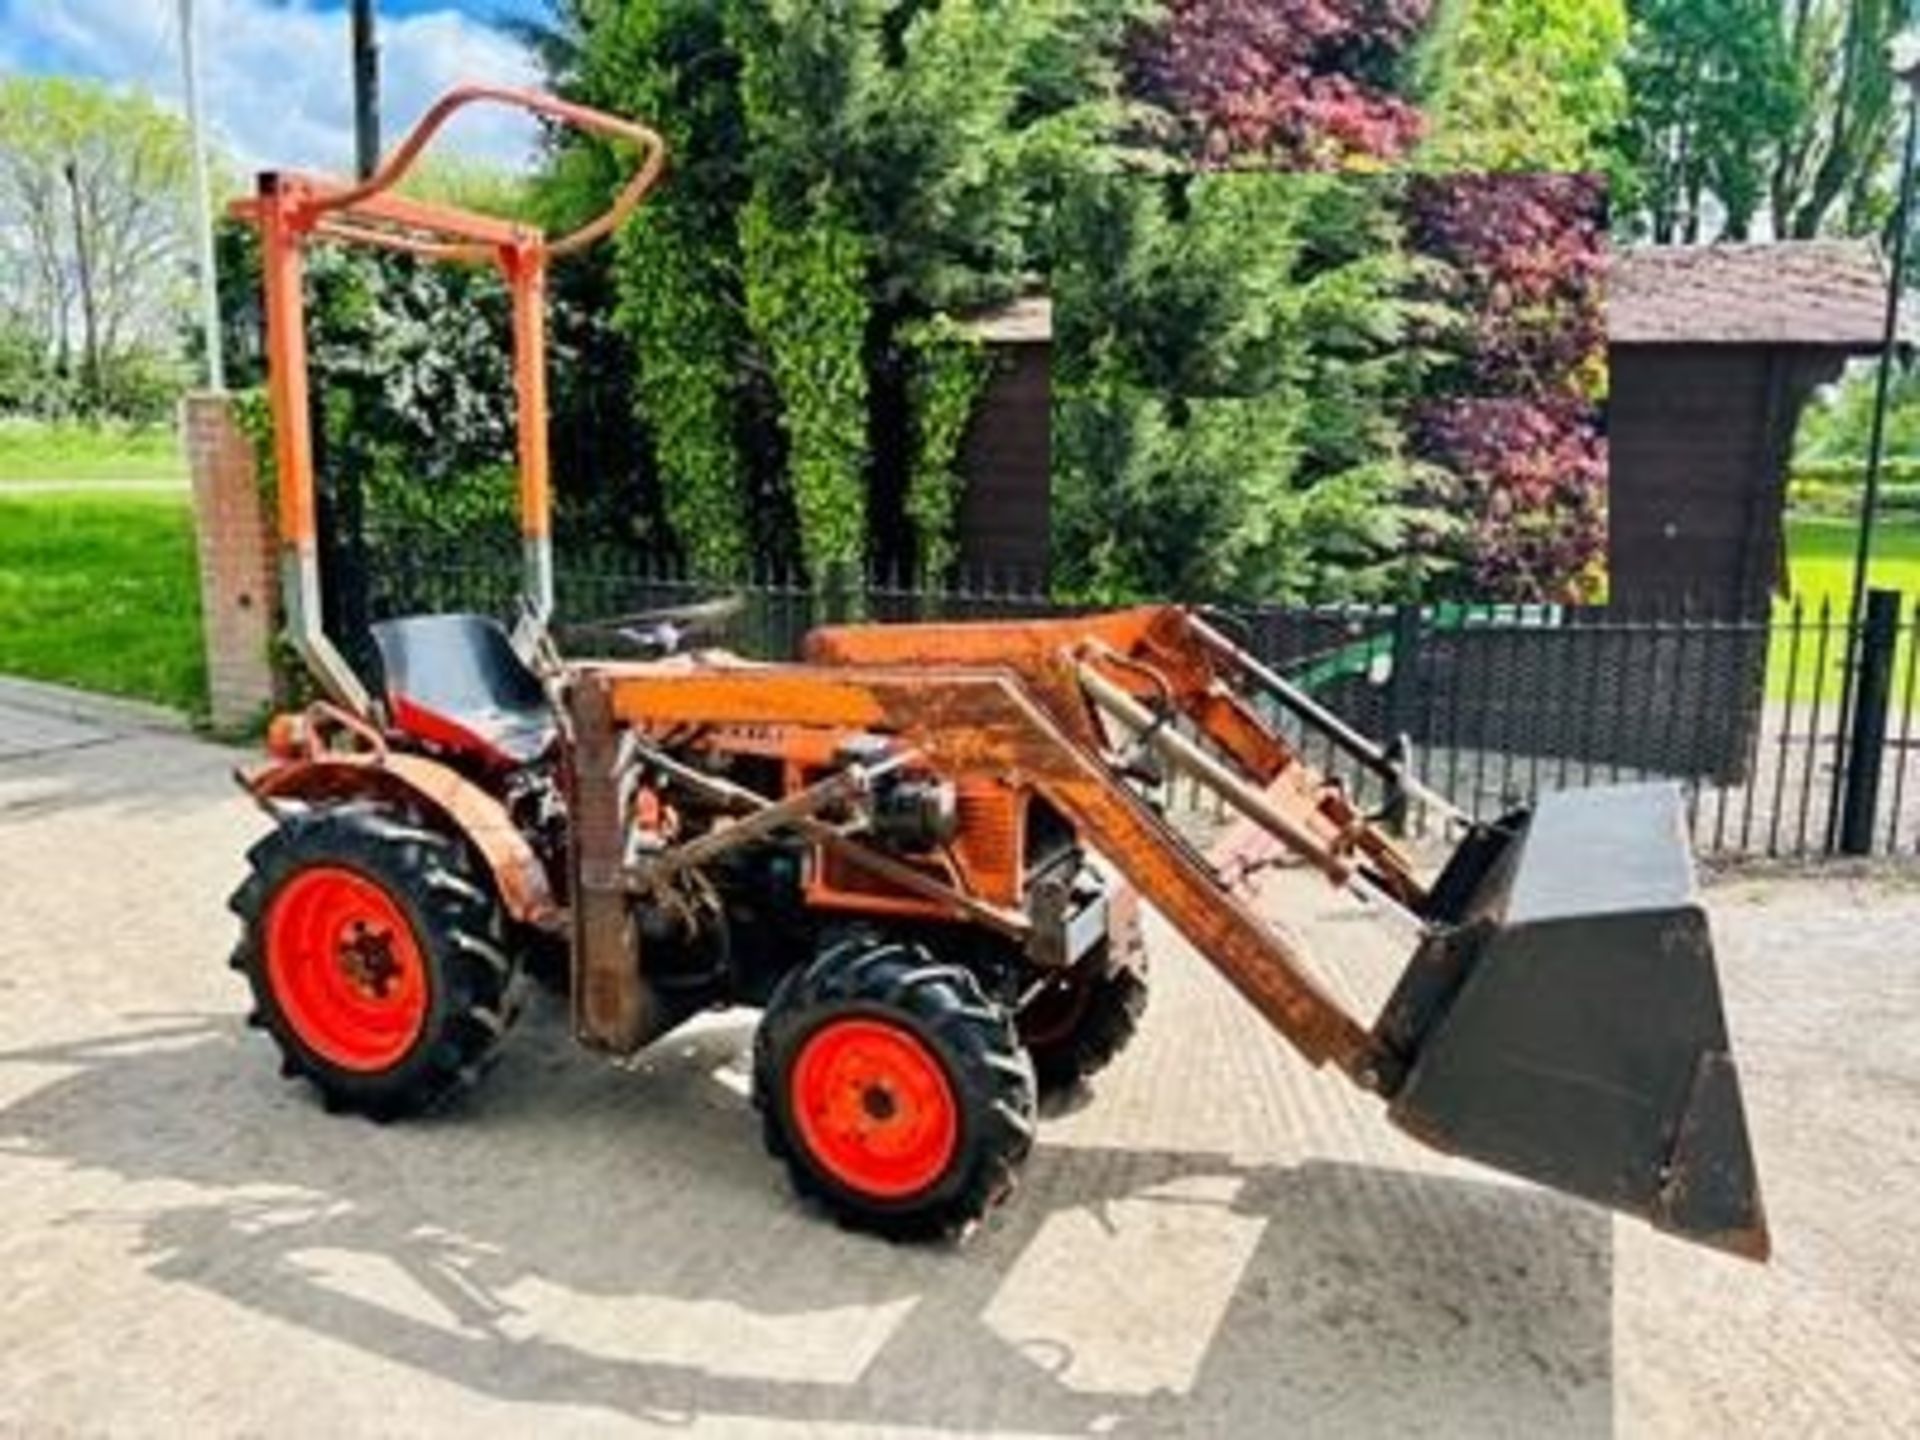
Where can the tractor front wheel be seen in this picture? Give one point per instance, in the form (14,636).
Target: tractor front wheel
(896,1092)
(376,957)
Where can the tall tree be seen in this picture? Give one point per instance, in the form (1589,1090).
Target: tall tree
(1830,173)
(1524,85)
(95,205)
(843,173)
(1309,83)
(1516,415)
(1233,354)
(1714,96)
(1751,116)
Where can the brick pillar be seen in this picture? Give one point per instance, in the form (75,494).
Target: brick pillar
(239,589)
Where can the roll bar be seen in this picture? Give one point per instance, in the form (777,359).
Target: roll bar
(395,167)
(289,209)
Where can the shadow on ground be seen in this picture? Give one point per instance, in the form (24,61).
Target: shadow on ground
(580,1234)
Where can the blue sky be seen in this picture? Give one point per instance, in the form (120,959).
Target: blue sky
(275,73)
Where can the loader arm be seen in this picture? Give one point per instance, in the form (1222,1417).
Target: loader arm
(982,723)
(1560,1017)
(1191,679)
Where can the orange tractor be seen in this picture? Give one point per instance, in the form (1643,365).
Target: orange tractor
(920,851)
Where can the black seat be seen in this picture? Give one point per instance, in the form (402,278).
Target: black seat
(456,681)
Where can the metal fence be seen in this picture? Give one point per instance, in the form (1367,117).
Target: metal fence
(1745,714)
(1498,703)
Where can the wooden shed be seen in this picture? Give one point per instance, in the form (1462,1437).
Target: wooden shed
(1005,524)
(1714,351)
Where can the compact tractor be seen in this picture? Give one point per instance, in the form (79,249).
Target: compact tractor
(920,851)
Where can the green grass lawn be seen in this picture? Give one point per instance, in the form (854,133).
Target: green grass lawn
(1820,557)
(1820,561)
(100,590)
(31,450)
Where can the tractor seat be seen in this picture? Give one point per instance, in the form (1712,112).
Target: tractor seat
(457,682)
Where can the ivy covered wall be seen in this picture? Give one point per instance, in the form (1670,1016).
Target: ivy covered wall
(848,179)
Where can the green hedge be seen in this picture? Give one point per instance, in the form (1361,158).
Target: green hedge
(1834,487)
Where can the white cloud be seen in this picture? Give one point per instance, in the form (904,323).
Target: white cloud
(275,78)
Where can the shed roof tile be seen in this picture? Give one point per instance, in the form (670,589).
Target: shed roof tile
(1826,294)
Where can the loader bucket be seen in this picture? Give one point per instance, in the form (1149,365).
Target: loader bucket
(1562,1021)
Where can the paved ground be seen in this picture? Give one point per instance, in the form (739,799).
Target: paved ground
(1219,1242)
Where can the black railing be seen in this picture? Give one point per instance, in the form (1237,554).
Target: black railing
(1498,703)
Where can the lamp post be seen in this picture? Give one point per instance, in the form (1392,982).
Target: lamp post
(203,201)
(1905,56)
(1904,59)
(366,90)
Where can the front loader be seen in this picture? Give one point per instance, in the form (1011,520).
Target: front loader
(920,851)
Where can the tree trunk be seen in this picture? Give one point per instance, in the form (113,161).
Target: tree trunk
(1791,159)
(1842,153)
(89,309)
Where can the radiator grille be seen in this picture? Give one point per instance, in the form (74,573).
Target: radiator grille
(989,839)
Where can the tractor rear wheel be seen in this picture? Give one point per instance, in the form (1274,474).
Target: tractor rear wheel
(895,1091)
(1077,1027)
(375,952)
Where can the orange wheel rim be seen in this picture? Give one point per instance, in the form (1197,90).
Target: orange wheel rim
(345,968)
(874,1107)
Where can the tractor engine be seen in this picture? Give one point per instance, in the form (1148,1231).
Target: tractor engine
(914,814)
(721,902)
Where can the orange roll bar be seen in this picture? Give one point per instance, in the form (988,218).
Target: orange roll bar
(290,209)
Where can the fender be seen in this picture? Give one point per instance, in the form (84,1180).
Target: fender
(518,873)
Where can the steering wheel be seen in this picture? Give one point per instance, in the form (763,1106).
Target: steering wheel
(656,634)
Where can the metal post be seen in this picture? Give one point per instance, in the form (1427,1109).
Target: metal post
(1877,443)
(203,198)
(366,91)
(1879,639)
(1402,684)
(836,592)
(525,267)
